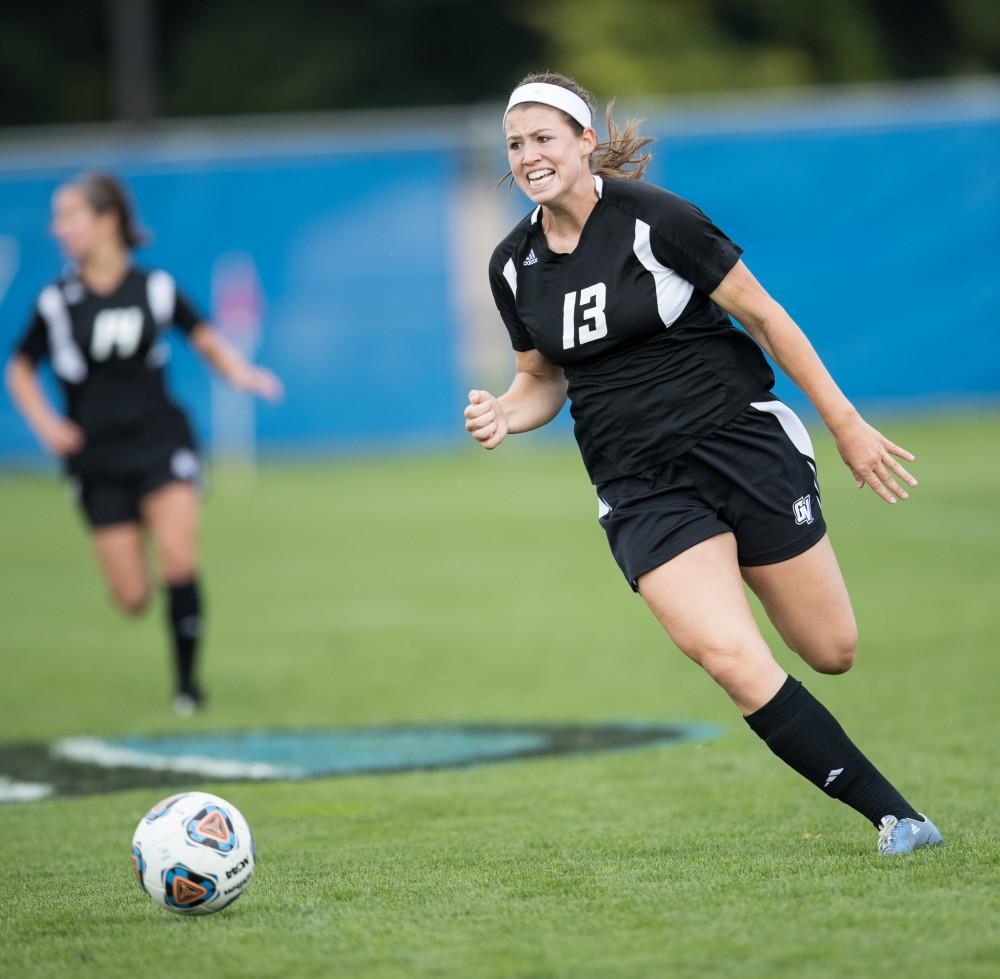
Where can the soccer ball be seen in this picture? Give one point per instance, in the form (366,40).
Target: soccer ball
(193,853)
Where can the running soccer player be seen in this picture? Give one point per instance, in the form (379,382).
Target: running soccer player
(615,294)
(127,448)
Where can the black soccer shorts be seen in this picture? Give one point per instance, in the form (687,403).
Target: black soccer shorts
(754,477)
(111,477)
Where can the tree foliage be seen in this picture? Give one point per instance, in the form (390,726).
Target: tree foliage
(244,56)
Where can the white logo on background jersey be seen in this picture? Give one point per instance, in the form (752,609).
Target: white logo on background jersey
(532,258)
(116,331)
(184,464)
(832,777)
(803,510)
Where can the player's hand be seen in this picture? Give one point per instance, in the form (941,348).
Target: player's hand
(869,456)
(61,437)
(263,383)
(485,419)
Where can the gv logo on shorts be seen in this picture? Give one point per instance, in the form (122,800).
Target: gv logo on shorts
(803,509)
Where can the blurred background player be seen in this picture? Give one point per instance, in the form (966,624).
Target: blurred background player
(128,450)
(615,295)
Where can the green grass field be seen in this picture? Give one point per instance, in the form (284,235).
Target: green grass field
(476,587)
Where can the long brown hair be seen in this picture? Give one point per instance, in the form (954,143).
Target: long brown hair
(620,155)
(104,193)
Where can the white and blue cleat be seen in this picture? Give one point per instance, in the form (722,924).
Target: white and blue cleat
(905,835)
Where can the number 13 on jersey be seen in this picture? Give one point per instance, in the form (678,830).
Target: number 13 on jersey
(595,325)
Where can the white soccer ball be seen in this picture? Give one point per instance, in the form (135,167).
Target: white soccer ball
(193,853)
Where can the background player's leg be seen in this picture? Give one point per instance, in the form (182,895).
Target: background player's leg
(120,554)
(806,599)
(699,599)
(171,513)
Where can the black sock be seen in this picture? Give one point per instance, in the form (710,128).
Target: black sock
(807,737)
(184,617)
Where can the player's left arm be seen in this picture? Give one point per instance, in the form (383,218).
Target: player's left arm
(867,452)
(233,366)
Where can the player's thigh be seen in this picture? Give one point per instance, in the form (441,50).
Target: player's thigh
(122,559)
(806,599)
(171,514)
(699,599)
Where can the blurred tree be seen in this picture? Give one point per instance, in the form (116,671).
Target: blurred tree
(948,37)
(640,46)
(257,55)
(53,63)
(241,56)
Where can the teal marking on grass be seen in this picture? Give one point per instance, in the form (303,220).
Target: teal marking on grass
(74,766)
(311,753)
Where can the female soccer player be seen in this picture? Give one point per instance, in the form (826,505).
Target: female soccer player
(127,448)
(615,294)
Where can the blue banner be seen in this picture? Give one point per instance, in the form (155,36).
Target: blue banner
(344,272)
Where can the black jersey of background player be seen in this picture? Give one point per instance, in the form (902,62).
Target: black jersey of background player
(106,350)
(653,364)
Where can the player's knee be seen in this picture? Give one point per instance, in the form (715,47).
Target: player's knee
(131,599)
(178,566)
(839,653)
(726,663)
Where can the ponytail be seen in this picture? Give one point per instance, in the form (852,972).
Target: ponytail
(620,155)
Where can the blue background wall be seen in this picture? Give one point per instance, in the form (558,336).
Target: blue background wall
(883,245)
(881,238)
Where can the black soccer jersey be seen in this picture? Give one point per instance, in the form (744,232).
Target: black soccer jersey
(107,351)
(653,364)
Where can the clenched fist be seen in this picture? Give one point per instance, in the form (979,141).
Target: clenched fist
(485,419)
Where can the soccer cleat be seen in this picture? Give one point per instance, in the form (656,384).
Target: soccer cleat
(189,701)
(905,835)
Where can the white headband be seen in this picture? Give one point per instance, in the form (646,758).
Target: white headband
(554,95)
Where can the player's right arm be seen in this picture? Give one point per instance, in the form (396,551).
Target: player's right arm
(58,435)
(534,398)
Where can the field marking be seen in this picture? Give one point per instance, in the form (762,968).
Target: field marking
(14,791)
(94,751)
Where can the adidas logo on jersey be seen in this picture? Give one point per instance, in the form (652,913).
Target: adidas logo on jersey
(532,258)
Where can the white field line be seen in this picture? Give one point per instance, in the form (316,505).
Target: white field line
(12,791)
(94,751)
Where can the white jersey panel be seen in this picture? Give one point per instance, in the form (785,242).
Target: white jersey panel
(161,292)
(673,292)
(67,359)
(791,423)
(510,274)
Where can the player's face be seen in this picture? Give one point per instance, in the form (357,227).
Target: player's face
(79,229)
(546,156)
